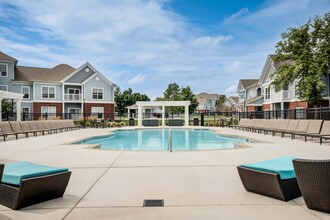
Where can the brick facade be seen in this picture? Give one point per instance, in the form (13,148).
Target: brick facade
(265,106)
(109,109)
(37,108)
(250,108)
(294,105)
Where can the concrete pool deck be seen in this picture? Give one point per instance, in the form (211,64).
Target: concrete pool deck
(194,184)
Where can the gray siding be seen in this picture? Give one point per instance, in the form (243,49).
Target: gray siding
(94,83)
(327,86)
(58,92)
(18,89)
(10,74)
(81,76)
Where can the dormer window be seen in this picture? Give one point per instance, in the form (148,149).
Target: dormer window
(3,70)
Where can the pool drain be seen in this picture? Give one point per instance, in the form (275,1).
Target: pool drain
(153,203)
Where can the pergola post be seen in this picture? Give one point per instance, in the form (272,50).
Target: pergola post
(18,109)
(163,116)
(139,115)
(186,115)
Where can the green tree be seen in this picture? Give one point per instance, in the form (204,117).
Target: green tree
(6,106)
(188,95)
(220,103)
(175,93)
(303,57)
(127,98)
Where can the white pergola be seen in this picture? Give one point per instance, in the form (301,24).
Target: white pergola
(18,97)
(163,104)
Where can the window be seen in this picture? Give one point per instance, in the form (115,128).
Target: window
(97,93)
(48,92)
(97,112)
(267,93)
(3,70)
(26,92)
(26,112)
(48,111)
(4,87)
(74,91)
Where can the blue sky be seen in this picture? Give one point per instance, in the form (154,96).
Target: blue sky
(147,44)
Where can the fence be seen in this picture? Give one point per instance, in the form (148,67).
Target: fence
(204,119)
(308,113)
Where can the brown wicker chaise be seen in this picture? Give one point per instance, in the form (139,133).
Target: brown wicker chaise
(33,190)
(313,178)
(269,183)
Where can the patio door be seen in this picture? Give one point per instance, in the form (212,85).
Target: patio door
(74,113)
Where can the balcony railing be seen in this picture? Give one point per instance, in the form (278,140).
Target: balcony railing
(72,97)
(279,96)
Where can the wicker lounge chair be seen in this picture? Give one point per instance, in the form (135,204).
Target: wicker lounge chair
(324,133)
(313,178)
(34,125)
(269,182)
(32,190)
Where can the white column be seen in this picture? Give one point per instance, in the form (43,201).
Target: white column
(128,113)
(0,109)
(186,115)
(163,116)
(139,116)
(18,109)
(282,109)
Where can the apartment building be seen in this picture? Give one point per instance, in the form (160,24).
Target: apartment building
(57,90)
(260,94)
(206,102)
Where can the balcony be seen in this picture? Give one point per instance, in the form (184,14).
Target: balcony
(72,97)
(280,96)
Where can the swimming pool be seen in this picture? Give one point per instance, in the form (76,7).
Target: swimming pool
(157,139)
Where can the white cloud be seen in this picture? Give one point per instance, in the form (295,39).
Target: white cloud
(207,40)
(122,38)
(237,15)
(137,79)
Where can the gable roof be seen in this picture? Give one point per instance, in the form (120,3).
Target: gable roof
(248,82)
(6,57)
(26,73)
(55,74)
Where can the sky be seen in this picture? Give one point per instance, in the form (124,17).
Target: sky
(147,44)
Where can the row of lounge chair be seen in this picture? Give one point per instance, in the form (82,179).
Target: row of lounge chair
(305,128)
(16,128)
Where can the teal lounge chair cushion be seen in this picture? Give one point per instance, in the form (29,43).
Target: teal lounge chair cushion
(13,173)
(281,165)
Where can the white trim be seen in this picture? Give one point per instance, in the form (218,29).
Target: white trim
(5,64)
(100,75)
(99,102)
(97,93)
(6,87)
(48,92)
(49,101)
(21,83)
(24,93)
(78,70)
(72,84)
(47,83)
(34,91)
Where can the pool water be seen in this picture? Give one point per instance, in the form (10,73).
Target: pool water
(157,139)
